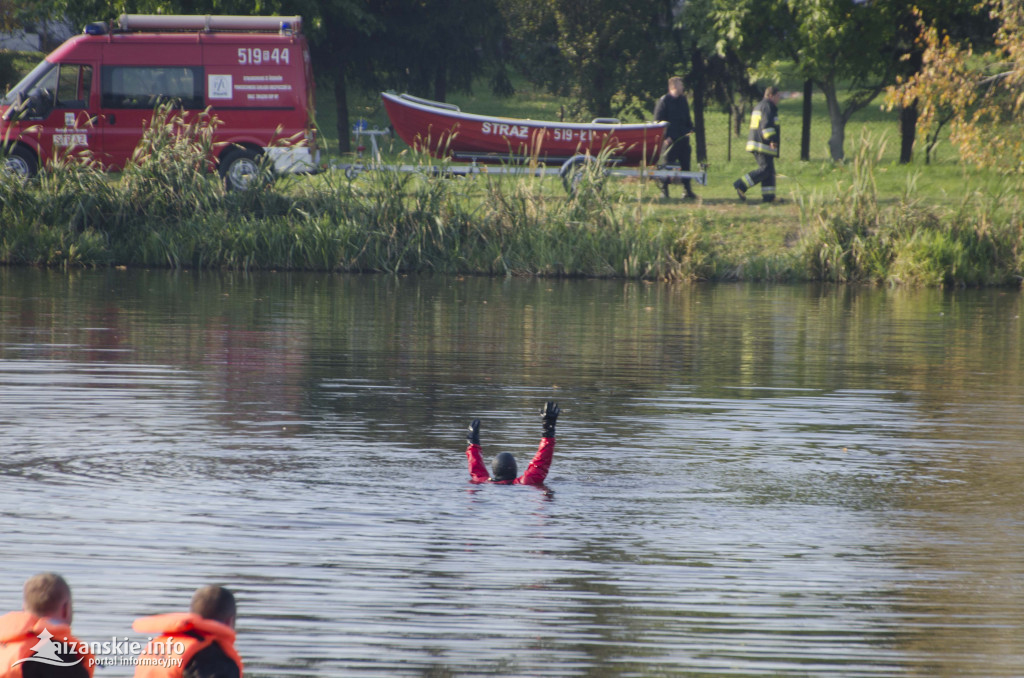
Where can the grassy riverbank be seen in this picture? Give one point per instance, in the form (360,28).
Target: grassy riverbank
(869,220)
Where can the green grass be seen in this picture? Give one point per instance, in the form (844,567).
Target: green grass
(943,181)
(755,241)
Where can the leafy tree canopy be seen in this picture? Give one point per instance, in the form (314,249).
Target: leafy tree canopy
(981,96)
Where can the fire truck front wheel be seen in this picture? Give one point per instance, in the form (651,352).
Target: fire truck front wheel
(240,167)
(21,161)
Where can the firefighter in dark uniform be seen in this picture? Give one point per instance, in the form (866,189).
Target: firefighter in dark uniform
(675,150)
(763,142)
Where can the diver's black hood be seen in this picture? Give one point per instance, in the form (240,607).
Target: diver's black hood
(503,468)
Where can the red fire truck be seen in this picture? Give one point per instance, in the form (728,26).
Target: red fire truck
(98,90)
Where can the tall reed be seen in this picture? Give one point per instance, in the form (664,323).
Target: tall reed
(857,238)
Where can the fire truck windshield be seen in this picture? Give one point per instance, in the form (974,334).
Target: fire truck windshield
(32,83)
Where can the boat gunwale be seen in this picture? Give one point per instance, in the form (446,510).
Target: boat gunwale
(540,124)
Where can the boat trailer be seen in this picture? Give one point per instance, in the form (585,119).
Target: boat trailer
(571,171)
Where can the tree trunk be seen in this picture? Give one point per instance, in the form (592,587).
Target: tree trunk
(341,109)
(698,79)
(805,130)
(441,82)
(932,138)
(699,135)
(908,132)
(739,116)
(728,137)
(601,106)
(836,118)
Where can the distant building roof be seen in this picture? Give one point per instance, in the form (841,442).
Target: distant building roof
(20,41)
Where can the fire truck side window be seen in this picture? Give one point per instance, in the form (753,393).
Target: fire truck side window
(148,86)
(73,86)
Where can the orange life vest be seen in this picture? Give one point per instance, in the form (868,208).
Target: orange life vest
(25,637)
(167,655)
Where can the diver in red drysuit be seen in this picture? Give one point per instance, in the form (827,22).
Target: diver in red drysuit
(503,469)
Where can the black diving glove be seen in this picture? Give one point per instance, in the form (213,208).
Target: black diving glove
(550,415)
(473,434)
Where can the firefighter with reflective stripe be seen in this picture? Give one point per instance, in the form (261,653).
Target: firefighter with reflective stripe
(763,142)
(503,469)
(37,642)
(195,644)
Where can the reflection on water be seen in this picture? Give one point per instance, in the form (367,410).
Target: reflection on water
(748,480)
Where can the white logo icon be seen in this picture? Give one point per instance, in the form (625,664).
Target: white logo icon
(46,652)
(219,87)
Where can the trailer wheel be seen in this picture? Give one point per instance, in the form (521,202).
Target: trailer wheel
(573,171)
(22,162)
(240,167)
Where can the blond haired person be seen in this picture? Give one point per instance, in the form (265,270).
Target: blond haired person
(37,642)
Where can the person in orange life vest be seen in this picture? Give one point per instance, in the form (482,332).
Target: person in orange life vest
(503,468)
(37,642)
(195,644)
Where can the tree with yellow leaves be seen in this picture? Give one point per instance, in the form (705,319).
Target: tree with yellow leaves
(979,96)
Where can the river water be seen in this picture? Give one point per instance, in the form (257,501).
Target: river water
(748,480)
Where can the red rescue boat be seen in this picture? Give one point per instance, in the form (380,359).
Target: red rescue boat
(446,132)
